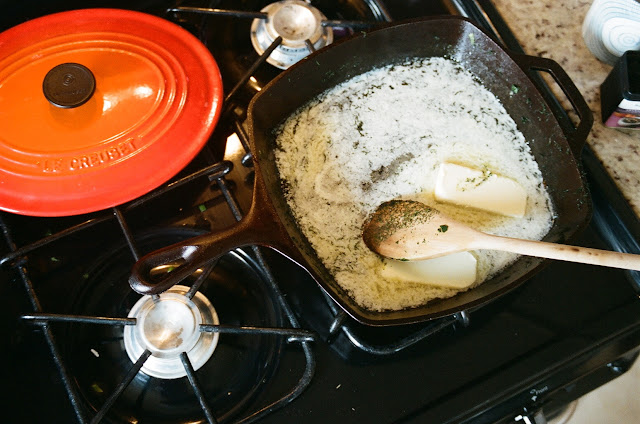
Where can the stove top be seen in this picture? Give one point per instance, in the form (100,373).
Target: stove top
(274,347)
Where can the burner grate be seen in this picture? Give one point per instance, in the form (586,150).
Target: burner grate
(286,31)
(216,172)
(17,258)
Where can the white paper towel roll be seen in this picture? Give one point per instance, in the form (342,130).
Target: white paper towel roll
(612,27)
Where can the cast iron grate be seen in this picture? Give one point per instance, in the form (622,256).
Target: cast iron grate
(18,259)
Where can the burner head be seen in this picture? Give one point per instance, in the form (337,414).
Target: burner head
(167,326)
(296,22)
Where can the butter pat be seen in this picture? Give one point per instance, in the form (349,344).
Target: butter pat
(480,189)
(457,270)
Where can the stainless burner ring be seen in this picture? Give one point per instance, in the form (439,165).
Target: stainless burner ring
(168,326)
(296,22)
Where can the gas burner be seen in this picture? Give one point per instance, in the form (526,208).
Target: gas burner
(168,326)
(232,369)
(238,32)
(300,26)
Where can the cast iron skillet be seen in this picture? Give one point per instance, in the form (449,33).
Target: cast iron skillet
(269,222)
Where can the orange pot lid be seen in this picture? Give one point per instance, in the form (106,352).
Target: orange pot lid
(99,106)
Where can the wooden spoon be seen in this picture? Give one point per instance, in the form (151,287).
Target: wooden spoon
(409,230)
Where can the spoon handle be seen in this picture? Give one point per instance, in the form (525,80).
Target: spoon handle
(561,252)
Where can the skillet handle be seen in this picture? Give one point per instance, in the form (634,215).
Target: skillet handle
(189,255)
(576,135)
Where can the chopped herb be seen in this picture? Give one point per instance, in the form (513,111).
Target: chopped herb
(443,228)
(472,183)
(202,208)
(359,125)
(472,38)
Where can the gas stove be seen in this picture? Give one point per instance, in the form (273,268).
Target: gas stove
(252,338)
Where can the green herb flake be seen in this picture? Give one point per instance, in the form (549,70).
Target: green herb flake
(398,215)
(171,268)
(96,388)
(514,89)
(472,38)
(202,208)
(54,259)
(473,183)
(443,228)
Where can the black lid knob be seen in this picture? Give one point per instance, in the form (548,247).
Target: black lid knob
(69,85)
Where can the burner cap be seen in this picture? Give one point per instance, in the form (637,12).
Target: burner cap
(167,326)
(296,22)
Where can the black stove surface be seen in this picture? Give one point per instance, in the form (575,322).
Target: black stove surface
(569,329)
(567,321)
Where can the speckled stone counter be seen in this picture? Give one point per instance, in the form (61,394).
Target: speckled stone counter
(553,29)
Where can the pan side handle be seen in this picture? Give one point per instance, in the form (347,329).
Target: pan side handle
(576,135)
(261,226)
(188,257)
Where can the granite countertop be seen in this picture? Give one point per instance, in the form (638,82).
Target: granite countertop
(553,29)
